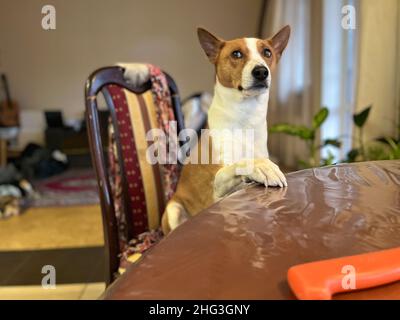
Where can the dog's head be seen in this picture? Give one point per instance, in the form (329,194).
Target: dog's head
(244,64)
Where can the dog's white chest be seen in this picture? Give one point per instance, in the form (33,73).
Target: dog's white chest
(238,125)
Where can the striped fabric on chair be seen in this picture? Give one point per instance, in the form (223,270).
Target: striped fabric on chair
(149,186)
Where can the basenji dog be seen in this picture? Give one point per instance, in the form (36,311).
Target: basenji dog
(243,73)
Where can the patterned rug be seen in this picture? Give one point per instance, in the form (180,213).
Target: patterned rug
(71,188)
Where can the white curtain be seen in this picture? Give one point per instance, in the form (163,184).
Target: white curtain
(318,69)
(339,74)
(295,90)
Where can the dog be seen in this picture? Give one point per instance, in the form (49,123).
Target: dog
(243,74)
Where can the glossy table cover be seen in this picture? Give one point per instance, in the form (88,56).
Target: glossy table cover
(242,247)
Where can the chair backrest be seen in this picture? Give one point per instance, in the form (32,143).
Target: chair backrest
(132,191)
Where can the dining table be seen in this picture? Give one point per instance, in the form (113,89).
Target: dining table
(242,246)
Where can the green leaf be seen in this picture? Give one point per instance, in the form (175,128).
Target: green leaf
(320,117)
(361,117)
(394,155)
(394,152)
(352,155)
(387,140)
(332,142)
(329,160)
(377,152)
(293,130)
(304,164)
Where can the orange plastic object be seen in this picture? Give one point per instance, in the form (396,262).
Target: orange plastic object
(320,280)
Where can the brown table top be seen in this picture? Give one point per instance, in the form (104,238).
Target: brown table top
(242,246)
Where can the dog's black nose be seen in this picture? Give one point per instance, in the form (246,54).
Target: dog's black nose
(260,73)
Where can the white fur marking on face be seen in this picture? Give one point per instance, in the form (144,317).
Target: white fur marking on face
(255,59)
(254,54)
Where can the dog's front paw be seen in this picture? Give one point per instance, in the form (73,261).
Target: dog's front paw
(135,73)
(266,172)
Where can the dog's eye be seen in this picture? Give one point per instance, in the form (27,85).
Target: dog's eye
(267,53)
(237,54)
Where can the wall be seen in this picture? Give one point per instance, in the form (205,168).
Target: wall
(47,69)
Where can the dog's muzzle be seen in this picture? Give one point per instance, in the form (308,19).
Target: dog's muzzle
(260,78)
(260,73)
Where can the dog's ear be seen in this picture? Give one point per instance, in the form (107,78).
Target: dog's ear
(280,40)
(210,44)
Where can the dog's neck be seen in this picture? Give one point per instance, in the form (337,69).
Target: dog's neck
(231,109)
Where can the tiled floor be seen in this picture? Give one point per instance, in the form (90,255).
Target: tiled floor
(80,291)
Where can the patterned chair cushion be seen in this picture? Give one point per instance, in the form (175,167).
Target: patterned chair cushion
(149,186)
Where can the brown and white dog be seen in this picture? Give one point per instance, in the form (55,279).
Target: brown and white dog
(243,78)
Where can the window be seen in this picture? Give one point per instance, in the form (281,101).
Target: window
(338,76)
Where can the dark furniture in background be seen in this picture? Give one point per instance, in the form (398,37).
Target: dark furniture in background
(74,143)
(242,247)
(98,82)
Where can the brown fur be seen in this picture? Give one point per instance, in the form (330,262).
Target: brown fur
(195,190)
(273,60)
(229,69)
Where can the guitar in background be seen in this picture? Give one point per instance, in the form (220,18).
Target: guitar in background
(9,110)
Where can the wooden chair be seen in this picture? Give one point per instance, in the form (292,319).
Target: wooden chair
(132,111)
